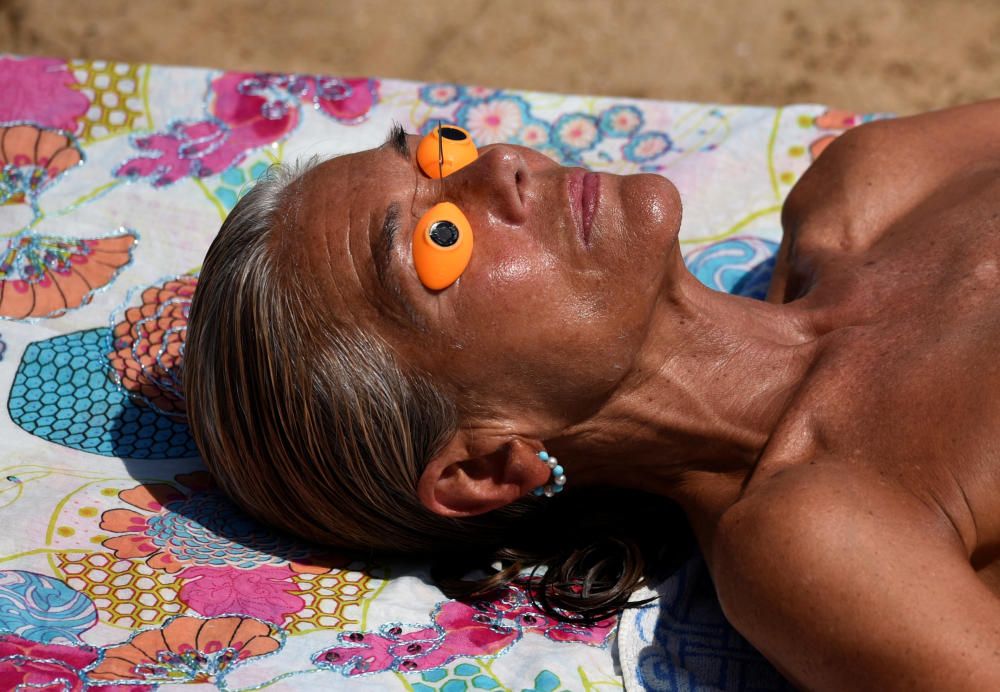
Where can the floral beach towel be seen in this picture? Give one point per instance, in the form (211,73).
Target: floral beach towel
(121,565)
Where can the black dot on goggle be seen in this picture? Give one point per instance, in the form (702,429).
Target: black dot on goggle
(444,233)
(452,133)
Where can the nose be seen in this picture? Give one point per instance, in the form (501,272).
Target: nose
(498,181)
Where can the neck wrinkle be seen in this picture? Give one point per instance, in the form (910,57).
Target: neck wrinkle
(711,383)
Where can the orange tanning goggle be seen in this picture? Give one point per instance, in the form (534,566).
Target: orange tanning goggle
(442,240)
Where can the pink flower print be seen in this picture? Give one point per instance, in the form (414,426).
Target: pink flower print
(226,562)
(440,94)
(174,529)
(650,148)
(458,629)
(28,664)
(268,104)
(344,100)
(558,155)
(247,111)
(260,108)
(494,121)
(40,91)
(264,592)
(535,135)
(530,619)
(647,146)
(456,632)
(621,121)
(25,664)
(575,132)
(514,605)
(478,92)
(363,653)
(199,149)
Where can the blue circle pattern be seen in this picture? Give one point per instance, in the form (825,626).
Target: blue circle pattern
(540,128)
(441,94)
(43,609)
(662,145)
(206,529)
(610,127)
(565,122)
(616,122)
(62,393)
(742,266)
(464,111)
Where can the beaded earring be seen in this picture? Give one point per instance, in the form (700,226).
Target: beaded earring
(558,477)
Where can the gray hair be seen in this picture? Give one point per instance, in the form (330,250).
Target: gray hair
(312,425)
(309,423)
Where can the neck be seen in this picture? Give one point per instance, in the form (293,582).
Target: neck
(710,385)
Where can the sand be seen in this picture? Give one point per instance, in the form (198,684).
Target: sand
(868,55)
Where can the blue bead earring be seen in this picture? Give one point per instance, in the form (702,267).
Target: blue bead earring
(558,477)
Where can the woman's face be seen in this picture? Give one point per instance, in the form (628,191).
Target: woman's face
(556,301)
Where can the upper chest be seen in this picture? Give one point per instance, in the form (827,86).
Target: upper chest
(908,378)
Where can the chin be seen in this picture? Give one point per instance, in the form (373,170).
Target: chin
(659,202)
(636,248)
(651,207)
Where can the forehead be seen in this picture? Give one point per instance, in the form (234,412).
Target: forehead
(339,179)
(336,208)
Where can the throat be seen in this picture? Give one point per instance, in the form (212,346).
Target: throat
(709,386)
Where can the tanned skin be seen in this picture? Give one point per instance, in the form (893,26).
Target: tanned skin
(836,448)
(865,549)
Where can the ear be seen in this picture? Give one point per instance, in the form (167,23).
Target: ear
(461,481)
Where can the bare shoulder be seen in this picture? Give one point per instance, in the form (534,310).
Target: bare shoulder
(808,513)
(873,176)
(894,163)
(845,582)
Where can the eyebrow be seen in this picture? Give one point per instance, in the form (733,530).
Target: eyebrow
(382,250)
(397,140)
(383,244)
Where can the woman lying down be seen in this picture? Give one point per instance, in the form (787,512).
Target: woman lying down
(429,348)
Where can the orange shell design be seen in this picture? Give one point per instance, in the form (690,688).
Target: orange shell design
(184,647)
(36,147)
(820,145)
(837,119)
(44,276)
(149,346)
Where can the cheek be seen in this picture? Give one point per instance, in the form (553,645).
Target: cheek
(532,333)
(511,272)
(505,290)
(537,321)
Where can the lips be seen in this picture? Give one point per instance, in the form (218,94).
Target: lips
(591,195)
(584,195)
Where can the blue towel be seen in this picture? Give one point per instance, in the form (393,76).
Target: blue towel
(681,642)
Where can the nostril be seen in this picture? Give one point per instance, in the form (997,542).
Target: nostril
(519,185)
